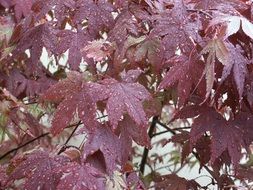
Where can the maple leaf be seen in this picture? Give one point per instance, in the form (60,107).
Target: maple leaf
(6,3)
(174,182)
(245,173)
(22,8)
(185,73)
(81,177)
(35,39)
(238,63)
(216,49)
(74,42)
(168,25)
(18,83)
(62,9)
(97,13)
(125,26)
(226,135)
(38,169)
(153,50)
(129,128)
(64,88)
(134,181)
(116,150)
(72,92)
(219,5)
(124,96)
(233,25)
(249,89)
(98,49)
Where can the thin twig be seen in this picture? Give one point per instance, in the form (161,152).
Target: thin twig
(159,133)
(200,11)
(23,145)
(145,152)
(166,127)
(77,125)
(206,168)
(70,136)
(30,141)
(194,153)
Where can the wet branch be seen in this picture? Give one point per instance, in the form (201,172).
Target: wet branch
(70,136)
(145,152)
(23,145)
(35,139)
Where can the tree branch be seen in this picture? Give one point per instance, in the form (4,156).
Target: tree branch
(194,153)
(166,127)
(23,145)
(145,152)
(70,136)
(34,139)
(200,11)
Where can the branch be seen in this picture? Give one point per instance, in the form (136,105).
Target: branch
(166,127)
(23,145)
(200,11)
(145,152)
(206,168)
(70,136)
(31,141)
(194,153)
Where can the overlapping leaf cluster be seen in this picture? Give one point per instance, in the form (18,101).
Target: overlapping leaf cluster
(125,62)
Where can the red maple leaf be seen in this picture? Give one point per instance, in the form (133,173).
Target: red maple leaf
(19,84)
(62,9)
(3,176)
(218,4)
(38,170)
(152,50)
(237,63)
(22,8)
(116,150)
(125,96)
(129,128)
(97,49)
(34,39)
(125,25)
(171,24)
(226,135)
(75,99)
(80,177)
(186,73)
(6,3)
(174,182)
(74,42)
(97,13)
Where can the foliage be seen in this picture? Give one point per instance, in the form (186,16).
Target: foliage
(135,70)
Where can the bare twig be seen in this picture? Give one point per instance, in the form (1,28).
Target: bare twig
(70,136)
(194,153)
(32,140)
(145,152)
(200,11)
(23,145)
(166,127)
